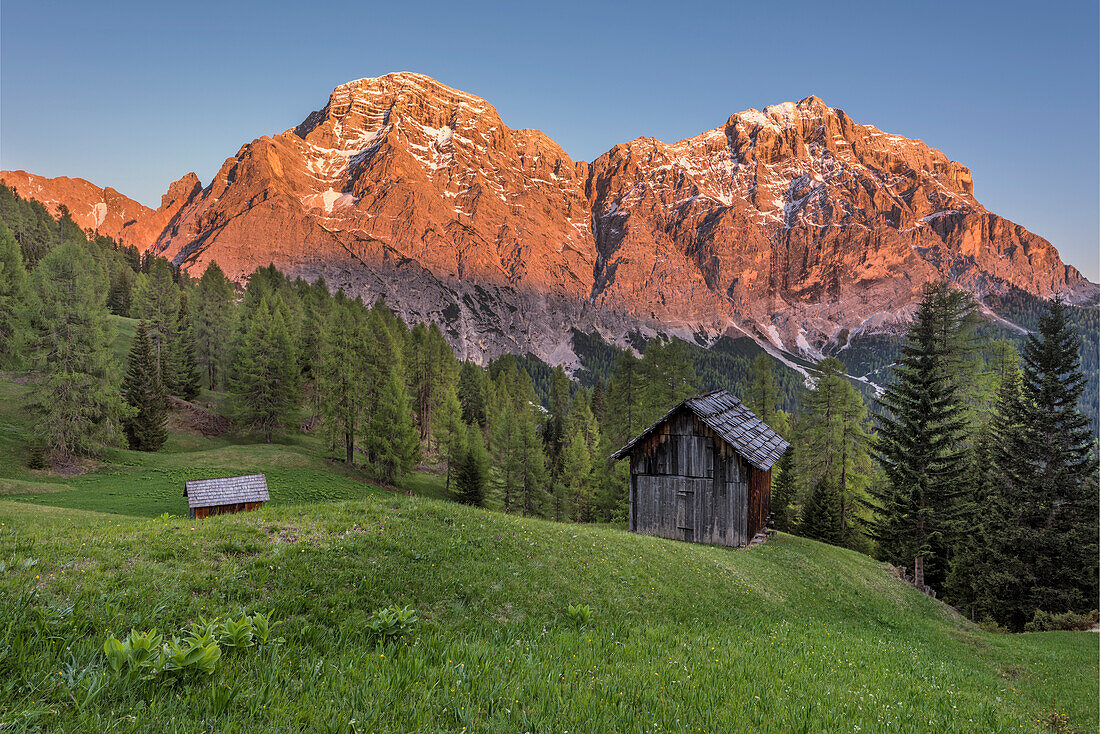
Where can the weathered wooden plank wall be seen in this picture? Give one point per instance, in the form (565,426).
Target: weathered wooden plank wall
(200,512)
(687,484)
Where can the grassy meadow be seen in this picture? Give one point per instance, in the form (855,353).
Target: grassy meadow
(790,636)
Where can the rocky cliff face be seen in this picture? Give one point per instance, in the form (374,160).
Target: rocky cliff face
(104,211)
(793,224)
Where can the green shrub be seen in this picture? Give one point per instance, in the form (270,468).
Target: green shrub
(1050,622)
(391,623)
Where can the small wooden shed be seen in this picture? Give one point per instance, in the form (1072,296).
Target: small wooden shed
(220,496)
(702,473)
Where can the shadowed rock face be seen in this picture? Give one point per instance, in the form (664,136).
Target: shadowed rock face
(794,224)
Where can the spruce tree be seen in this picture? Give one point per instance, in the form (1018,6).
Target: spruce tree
(821,513)
(157,302)
(265,375)
(77,406)
(13,293)
(783,492)
(214,315)
(143,389)
(1058,470)
(923,440)
(559,411)
(472,475)
(183,378)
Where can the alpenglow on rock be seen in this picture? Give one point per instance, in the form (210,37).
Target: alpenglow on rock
(793,224)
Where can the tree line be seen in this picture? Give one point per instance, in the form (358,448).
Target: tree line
(974,468)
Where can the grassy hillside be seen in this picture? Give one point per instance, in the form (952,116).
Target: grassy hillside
(789,636)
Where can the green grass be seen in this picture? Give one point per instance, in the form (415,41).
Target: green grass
(789,636)
(150,484)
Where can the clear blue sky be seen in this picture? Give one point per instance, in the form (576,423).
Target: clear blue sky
(133,95)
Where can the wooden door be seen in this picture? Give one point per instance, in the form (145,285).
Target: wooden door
(685,511)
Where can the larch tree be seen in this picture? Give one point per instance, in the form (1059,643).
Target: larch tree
(183,378)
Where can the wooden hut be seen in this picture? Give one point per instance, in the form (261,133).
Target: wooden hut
(207,497)
(702,473)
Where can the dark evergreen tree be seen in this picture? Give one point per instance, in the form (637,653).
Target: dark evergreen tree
(266,376)
(762,393)
(821,513)
(559,411)
(471,479)
(922,441)
(146,429)
(784,492)
(183,378)
(471,394)
(76,406)
(214,316)
(343,374)
(13,294)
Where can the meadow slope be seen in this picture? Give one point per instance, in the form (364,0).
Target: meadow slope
(790,636)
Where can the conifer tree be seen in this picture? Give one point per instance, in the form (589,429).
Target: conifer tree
(13,286)
(183,378)
(342,374)
(783,492)
(472,476)
(821,518)
(559,411)
(450,433)
(1057,473)
(265,375)
(214,315)
(762,393)
(471,394)
(922,441)
(529,446)
(834,447)
(393,443)
(157,302)
(576,476)
(143,389)
(77,406)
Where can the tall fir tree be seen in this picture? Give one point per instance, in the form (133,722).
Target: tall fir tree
(1057,474)
(559,411)
(821,518)
(214,324)
(13,294)
(157,302)
(265,372)
(77,406)
(471,394)
(393,443)
(472,475)
(183,378)
(923,433)
(146,429)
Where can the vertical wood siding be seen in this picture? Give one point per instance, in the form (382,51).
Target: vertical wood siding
(201,512)
(688,484)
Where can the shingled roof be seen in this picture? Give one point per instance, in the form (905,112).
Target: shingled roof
(226,491)
(733,422)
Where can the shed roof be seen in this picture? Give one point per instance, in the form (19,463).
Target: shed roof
(226,490)
(733,422)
